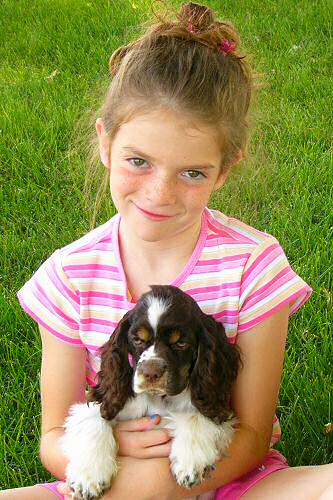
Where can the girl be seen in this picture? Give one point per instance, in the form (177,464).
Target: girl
(172,126)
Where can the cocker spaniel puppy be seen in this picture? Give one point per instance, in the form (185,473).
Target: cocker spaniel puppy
(165,357)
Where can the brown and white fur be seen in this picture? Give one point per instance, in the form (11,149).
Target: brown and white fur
(165,357)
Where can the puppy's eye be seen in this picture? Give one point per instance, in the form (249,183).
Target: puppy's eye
(181,345)
(137,341)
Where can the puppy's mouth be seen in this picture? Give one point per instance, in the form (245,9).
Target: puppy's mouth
(152,384)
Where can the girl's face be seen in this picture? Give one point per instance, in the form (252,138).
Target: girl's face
(162,173)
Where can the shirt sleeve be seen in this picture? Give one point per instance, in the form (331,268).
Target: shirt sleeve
(50,299)
(268,283)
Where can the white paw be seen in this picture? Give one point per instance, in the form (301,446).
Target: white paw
(197,445)
(89,480)
(85,489)
(90,446)
(188,476)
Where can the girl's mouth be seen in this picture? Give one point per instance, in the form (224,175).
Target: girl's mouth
(152,215)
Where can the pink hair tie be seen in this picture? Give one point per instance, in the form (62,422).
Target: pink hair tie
(190,28)
(227,46)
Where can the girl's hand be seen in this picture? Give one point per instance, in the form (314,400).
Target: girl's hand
(140,479)
(138,438)
(149,479)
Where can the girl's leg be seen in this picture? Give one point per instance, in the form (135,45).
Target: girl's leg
(29,493)
(296,483)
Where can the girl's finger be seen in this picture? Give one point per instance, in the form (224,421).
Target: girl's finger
(139,424)
(129,442)
(159,451)
(153,438)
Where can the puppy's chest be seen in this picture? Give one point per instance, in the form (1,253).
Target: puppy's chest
(146,405)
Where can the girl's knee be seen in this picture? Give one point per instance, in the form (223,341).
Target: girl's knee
(36,492)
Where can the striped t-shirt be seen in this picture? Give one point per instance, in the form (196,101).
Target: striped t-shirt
(237,274)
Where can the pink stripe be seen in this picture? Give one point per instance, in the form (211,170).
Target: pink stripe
(226,259)
(216,241)
(97,321)
(93,327)
(253,267)
(91,382)
(202,297)
(88,267)
(269,289)
(92,294)
(68,340)
(212,269)
(230,314)
(105,246)
(219,227)
(98,274)
(53,308)
(267,267)
(63,289)
(213,288)
(102,302)
(262,317)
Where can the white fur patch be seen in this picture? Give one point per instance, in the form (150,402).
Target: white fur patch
(197,444)
(156,307)
(139,382)
(90,446)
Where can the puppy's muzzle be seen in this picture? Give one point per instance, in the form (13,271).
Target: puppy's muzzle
(151,376)
(152,370)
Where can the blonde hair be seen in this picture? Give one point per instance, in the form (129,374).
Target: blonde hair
(190,64)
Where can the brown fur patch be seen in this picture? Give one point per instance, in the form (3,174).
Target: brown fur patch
(143,334)
(174,337)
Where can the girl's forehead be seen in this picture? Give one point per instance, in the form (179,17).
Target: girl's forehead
(165,128)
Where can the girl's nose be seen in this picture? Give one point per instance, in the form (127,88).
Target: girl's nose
(161,191)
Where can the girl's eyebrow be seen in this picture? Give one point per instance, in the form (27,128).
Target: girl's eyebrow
(135,151)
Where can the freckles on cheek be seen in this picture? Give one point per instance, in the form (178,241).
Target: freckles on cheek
(122,179)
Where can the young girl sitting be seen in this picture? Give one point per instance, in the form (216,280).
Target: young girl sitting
(173,124)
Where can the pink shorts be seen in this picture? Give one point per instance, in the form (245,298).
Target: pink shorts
(236,489)
(231,491)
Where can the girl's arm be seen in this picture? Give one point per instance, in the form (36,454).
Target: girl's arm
(62,384)
(254,401)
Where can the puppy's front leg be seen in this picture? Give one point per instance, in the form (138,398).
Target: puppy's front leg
(91,448)
(198,443)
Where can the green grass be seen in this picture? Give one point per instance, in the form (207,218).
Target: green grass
(53,57)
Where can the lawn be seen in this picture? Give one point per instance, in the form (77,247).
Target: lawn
(54,56)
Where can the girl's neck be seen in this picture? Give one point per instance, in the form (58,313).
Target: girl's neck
(156,262)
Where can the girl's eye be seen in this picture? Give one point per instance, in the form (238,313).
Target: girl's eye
(137,162)
(194,174)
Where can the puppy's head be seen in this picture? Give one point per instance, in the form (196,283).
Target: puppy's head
(163,339)
(164,345)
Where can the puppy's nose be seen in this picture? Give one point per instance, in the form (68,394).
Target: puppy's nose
(153,370)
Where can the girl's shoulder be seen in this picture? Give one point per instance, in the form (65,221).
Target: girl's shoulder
(235,232)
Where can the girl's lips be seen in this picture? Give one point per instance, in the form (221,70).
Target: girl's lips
(152,215)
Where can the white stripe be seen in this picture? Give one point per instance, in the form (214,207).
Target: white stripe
(156,308)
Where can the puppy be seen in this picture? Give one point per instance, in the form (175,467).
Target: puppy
(165,357)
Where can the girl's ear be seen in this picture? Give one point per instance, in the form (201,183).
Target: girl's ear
(104,142)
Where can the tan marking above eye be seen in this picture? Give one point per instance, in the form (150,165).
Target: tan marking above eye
(174,337)
(143,334)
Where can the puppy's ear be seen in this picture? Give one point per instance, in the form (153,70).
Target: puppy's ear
(214,372)
(115,377)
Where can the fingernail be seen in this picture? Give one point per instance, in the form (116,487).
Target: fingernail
(152,417)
